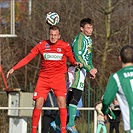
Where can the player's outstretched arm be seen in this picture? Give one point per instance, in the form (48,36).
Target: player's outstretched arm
(9,72)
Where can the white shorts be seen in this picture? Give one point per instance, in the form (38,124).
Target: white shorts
(76,78)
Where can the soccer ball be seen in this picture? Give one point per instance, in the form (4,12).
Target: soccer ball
(52,18)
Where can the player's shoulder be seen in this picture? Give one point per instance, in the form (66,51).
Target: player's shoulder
(63,43)
(79,35)
(42,43)
(79,38)
(118,72)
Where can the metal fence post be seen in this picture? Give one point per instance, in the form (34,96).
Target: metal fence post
(88,106)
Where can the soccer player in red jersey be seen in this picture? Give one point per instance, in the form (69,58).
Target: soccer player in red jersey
(52,74)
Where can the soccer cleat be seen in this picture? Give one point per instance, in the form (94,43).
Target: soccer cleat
(63,130)
(72,129)
(55,127)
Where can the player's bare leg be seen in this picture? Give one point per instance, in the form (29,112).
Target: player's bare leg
(36,113)
(63,112)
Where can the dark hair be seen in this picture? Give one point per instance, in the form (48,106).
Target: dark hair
(85,21)
(54,27)
(126,54)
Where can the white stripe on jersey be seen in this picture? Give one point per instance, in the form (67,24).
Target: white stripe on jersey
(123,103)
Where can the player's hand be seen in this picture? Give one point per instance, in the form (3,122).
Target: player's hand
(105,117)
(9,72)
(78,64)
(93,72)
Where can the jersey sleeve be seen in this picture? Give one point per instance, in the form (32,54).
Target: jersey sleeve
(28,58)
(69,54)
(90,65)
(109,94)
(78,50)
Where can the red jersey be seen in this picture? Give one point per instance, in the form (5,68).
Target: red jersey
(53,57)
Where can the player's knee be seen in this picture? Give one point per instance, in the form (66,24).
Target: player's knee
(39,103)
(61,102)
(74,101)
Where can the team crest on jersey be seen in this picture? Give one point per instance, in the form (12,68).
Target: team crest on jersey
(47,45)
(89,48)
(58,49)
(79,52)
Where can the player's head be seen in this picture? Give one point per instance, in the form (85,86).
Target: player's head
(54,33)
(86,26)
(126,54)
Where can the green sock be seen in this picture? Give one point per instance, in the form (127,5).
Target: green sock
(72,114)
(57,120)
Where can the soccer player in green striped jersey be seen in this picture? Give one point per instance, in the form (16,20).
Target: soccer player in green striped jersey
(120,84)
(82,49)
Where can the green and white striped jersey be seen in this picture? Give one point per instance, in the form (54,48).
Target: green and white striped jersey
(120,84)
(82,49)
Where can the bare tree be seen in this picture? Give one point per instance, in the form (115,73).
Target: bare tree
(111,19)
